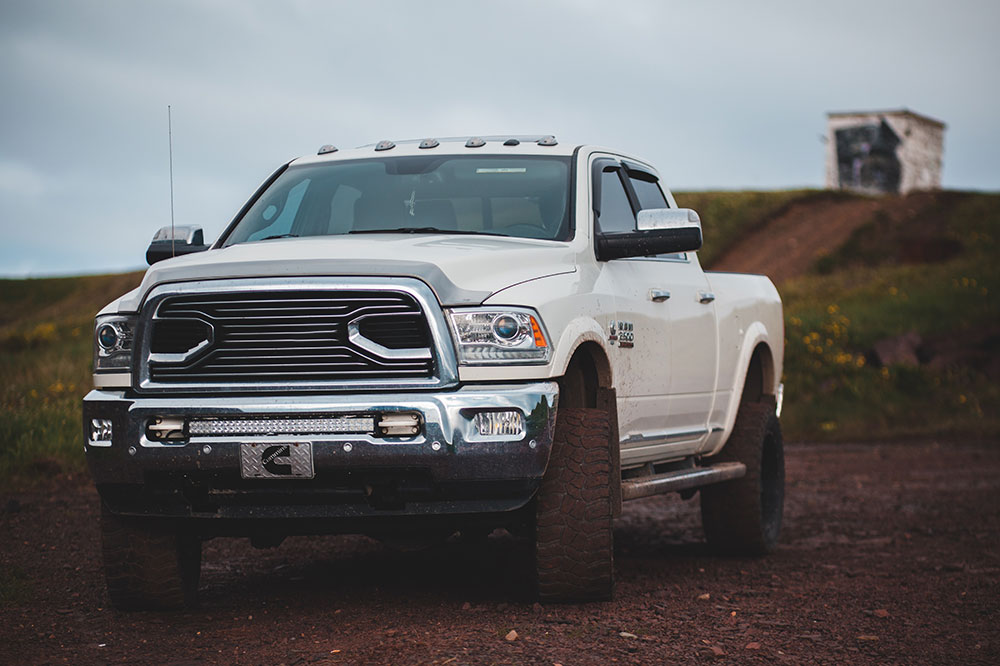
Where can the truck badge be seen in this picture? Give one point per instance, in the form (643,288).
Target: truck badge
(621,332)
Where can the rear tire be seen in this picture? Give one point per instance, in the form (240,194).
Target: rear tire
(146,568)
(743,516)
(574,544)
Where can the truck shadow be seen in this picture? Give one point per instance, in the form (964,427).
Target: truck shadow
(656,532)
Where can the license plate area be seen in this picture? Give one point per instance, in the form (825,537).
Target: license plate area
(269,460)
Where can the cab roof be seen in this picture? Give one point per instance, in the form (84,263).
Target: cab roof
(513,144)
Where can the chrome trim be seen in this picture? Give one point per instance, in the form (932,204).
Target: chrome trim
(705,297)
(682,480)
(658,295)
(105,380)
(650,219)
(163,357)
(442,352)
(652,439)
(358,340)
(447,417)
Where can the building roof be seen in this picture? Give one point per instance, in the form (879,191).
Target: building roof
(889,112)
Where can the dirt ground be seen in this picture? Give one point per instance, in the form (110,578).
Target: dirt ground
(890,555)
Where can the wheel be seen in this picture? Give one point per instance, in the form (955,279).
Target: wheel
(574,554)
(148,569)
(743,516)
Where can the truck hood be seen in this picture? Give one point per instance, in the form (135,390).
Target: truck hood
(461,270)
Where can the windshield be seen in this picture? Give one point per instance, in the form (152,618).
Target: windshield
(522,196)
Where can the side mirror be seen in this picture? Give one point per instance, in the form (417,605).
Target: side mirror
(659,231)
(182,240)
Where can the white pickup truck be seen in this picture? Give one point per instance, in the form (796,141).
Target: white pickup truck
(414,339)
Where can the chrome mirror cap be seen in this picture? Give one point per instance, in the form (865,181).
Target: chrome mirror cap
(667,218)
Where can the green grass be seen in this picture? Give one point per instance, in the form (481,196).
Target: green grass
(45,364)
(832,321)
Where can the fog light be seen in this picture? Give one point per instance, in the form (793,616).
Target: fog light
(492,424)
(100,432)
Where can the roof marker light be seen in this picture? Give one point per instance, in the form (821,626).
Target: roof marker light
(323,150)
(475,142)
(511,142)
(384,145)
(429,143)
(547,141)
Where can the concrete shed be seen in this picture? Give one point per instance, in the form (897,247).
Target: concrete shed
(883,152)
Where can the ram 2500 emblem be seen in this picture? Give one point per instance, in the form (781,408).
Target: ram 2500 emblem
(621,332)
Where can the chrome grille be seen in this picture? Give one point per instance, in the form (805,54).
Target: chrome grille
(276,337)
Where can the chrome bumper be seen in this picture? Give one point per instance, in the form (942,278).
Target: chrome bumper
(447,468)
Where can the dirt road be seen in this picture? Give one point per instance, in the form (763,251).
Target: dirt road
(790,243)
(891,555)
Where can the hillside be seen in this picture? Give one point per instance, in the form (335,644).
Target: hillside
(891,314)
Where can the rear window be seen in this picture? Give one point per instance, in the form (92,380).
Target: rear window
(521,196)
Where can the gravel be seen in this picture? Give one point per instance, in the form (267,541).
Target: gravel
(890,554)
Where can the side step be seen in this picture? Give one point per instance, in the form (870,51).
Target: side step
(683,479)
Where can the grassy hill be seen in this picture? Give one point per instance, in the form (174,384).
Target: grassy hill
(918,276)
(924,268)
(46,333)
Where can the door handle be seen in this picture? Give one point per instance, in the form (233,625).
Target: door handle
(658,295)
(705,297)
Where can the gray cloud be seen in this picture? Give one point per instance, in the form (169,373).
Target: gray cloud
(718,94)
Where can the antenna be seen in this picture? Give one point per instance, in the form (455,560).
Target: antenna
(170,152)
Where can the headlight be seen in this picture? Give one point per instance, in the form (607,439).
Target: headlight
(498,335)
(113,343)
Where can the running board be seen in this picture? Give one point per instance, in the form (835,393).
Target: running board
(684,479)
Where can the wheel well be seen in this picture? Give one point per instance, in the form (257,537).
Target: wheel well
(588,370)
(759,381)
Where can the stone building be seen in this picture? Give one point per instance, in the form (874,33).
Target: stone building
(883,151)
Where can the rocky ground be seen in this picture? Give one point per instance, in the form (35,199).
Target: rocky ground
(891,555)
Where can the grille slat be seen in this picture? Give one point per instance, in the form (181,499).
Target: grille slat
(291,336)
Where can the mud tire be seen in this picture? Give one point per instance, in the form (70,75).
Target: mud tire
(743,516)
(574,545)
(147,568)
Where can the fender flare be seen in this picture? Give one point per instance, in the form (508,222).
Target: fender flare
(578,332)
(755,335)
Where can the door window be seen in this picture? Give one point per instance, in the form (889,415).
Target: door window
(616,214)
(647,192)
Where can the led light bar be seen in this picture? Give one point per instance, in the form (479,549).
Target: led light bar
(338,425)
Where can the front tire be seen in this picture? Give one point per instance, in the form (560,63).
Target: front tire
(574,544)
(146,568)
(743,516)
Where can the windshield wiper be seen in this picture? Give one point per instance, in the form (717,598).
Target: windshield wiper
(280,236)
(423,230)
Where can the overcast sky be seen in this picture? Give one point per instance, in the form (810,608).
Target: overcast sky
(718,94)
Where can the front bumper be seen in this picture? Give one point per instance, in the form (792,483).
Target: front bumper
(446,469)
